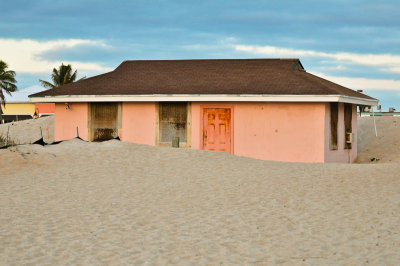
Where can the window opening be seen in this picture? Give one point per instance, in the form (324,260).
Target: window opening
(173,121)
(334,126)
(348,115)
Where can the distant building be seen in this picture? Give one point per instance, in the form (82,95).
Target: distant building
(18,106)
(269,109)
(16,111)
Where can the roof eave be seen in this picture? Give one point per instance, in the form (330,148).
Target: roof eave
(205,98)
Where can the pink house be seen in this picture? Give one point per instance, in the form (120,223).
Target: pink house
(269,109)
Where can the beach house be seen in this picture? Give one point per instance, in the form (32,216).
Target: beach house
(269,109)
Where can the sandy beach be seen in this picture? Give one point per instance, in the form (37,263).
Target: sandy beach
(120,203)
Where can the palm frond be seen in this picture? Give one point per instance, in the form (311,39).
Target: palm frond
(46,84)
(60,76)
(3,66)
(55,77)
(73,76)
(9,87)
(7,81)
(8,75)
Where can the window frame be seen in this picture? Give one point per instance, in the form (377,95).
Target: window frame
(188,142)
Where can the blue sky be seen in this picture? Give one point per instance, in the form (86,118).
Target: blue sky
(353,43)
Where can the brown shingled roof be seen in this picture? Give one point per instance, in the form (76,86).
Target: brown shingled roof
(211,76)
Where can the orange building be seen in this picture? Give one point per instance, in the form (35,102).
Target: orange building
(269,109)
(45,109)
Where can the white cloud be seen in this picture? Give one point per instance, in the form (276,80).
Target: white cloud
(275,51)
(394,69)
(363,83)
(386,62)
(22,55)
(338,67)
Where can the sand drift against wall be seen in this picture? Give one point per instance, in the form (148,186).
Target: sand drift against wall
(385,147)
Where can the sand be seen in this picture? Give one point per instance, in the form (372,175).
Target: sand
(122,203)
(385,147)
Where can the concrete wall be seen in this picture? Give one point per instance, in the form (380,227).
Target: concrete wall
(293,132)
(67,120)
(341,155)
(138,123)
(18,108)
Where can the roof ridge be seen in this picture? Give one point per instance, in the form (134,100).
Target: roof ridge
(209,59)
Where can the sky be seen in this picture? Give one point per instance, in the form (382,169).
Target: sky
(353,43)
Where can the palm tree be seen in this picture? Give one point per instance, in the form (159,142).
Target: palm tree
(62,75)
(7,81)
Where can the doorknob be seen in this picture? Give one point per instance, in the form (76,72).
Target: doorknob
(204,136)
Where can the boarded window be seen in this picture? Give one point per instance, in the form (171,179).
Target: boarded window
(334,126)
(173,121)
(348,114)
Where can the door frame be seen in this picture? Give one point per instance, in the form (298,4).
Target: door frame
(217,106)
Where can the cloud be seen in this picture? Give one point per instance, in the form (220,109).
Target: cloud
(218,44)
(386,62)
(82,52)
(363,83)
(24,56)
(334,68)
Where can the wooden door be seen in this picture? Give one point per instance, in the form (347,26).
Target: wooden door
(103,123)
(217,129)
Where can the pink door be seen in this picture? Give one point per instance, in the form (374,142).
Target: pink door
(217,129)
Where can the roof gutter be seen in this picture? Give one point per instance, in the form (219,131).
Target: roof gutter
(204,98)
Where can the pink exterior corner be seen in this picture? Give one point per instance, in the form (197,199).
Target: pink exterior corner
(341,155)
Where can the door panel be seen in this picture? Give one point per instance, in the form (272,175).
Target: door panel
(217,129)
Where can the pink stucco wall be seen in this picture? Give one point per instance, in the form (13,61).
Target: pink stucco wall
(138,123)
(293,132)
(341,155)
(67,120)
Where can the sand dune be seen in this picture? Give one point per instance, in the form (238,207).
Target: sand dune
(122,203)
(385,147)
